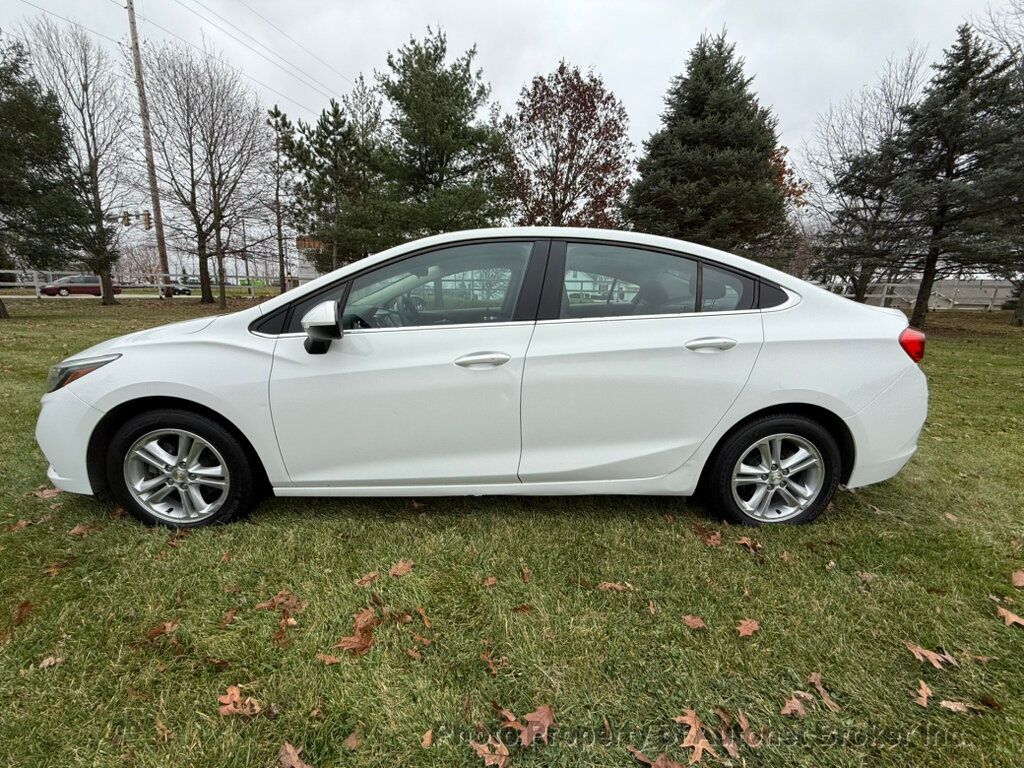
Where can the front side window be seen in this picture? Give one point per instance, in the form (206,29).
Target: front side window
(475,283)
(616,281)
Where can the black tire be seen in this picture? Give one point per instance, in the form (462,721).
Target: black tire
(718,490)
(243,491)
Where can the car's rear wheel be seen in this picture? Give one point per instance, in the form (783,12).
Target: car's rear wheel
(179,469)
(776,469)
(64,292)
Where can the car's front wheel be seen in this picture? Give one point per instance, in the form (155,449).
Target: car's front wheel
(179,469)
(776,469)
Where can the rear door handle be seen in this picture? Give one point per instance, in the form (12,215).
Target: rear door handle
(475,359)
(710,343)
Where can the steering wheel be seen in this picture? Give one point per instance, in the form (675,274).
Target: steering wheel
(408,311)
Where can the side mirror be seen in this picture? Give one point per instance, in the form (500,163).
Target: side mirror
(322,327)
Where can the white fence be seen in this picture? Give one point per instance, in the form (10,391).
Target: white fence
(972,294)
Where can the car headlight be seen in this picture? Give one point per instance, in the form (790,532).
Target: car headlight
(66,371)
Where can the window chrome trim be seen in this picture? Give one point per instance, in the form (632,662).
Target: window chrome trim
(792,301)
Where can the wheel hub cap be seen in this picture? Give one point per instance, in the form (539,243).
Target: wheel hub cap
(176,475)
(778,477)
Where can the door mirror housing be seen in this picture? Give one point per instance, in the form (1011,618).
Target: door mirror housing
(322,326)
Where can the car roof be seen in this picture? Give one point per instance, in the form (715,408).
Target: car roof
(563,233)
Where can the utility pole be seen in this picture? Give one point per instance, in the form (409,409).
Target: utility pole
(154,192)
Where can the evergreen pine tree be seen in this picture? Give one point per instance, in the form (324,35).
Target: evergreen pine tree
(957,155)
(441,161)
(40,216)
(711,174)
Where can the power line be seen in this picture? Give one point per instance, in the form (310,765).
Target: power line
(325,94)
(263,45)
(73,23)
(207,54)
(294,41)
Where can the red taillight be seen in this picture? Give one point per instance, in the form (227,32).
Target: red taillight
(912,341)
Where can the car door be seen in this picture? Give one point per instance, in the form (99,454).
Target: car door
(424,385)
(633,361)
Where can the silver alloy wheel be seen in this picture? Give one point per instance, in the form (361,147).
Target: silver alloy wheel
(176,475)
(778,477)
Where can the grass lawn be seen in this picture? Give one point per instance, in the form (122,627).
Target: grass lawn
(926,558)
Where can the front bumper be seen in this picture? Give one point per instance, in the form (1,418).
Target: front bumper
(62,432)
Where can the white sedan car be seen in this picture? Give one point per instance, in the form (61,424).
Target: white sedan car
(537,361)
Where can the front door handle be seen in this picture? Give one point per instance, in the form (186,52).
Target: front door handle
(475,359)
(710,343)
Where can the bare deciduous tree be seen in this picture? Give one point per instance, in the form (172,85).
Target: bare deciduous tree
(861,235)
(211,144)
(97,112)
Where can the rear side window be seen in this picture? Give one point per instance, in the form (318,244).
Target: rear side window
(616,281)
(723,291)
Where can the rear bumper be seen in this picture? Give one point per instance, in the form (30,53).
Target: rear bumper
(62,431)
(886,430)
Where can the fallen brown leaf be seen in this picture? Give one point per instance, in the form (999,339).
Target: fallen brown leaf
(288,757)
(423,616)
(352,741)
(21,612)
(494,752)
(747,627)
(706,535)
(46,493)
(828,701)
(179,536)
(754,547)
(362,639)
(428,739)
(526,574)
(537,724)
(931,657)
(485,657)
(694,622)
(228,617)
(366,579)
(163,628)
(1017,578)
(51,661)
(83,529)
(401,568)
(18,526)
(285,601)
(725,733)
(795,704)
(524,608)
(923,694)
(951,517)
(232,703)
(749,736)
(652,608)
(962,707)
(695,739)
(490,581)
(1009,617)
(414,654)
(327,659)
(163,733)
(611,586)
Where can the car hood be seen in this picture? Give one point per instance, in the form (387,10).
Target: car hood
(160,333)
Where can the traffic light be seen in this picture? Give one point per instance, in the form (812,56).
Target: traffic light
(126,219)
(146,223)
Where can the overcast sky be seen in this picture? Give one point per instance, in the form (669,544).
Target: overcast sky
(803,54)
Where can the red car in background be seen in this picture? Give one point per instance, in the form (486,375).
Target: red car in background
(88,285)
